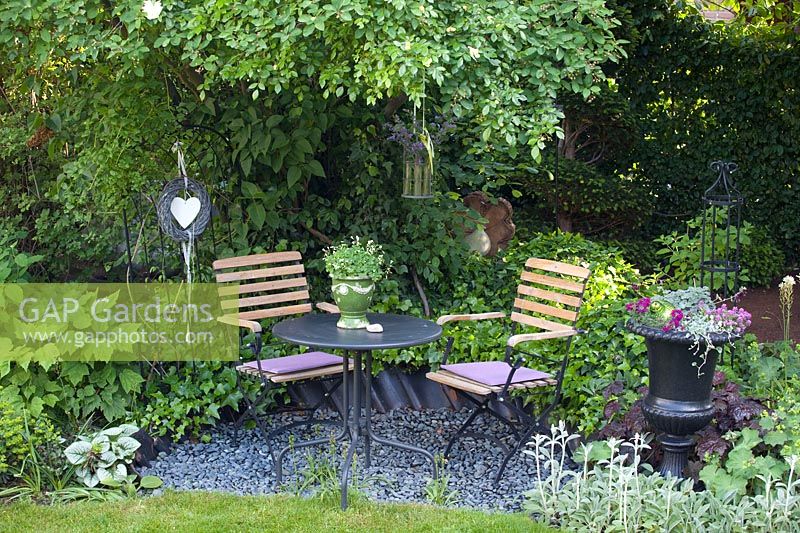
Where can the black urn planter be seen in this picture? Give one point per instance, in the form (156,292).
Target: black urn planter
(678,403)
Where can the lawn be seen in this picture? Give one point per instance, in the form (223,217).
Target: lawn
(204,511)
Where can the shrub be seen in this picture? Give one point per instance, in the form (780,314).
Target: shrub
(763,258)
(14,263)
(188,398)
(682,252)
(20,434)
(13,447)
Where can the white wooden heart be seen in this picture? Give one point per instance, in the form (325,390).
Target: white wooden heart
(185,211)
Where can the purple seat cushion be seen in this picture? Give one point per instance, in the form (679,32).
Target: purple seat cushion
(493,373)
(296,363)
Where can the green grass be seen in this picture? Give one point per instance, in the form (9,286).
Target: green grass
(209,512)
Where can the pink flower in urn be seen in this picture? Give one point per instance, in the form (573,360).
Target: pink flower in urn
(643,305)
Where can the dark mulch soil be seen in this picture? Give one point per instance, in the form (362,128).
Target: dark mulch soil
(764,305)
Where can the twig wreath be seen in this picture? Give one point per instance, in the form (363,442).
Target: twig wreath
(183,209)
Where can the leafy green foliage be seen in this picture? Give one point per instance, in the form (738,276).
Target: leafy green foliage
(763,258)
(21,437)
(12,444)
(359,258)
(777,20)
(14,264)
(743,469)
(74,391)
(187,398)
(614,490)
(701,92)
(683,251)
(103,457)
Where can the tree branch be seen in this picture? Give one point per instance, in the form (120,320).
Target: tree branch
(317,234)
(425,307)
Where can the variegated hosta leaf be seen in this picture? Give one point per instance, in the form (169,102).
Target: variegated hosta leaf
(113,476)
(91,481)
(104,475)
(128,429)
(100,443)
(107,459)
(120,473)
(112,432)
(78,452)
(125,447)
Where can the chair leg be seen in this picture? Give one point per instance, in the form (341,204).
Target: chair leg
(515,450)
(250,412)
(326,394)
(462,430)
(309,420)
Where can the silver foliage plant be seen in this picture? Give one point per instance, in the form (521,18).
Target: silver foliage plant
(620,493)
(103,458)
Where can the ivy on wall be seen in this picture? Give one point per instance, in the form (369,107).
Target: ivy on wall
(703,92)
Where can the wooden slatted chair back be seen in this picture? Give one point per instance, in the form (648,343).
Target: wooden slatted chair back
(550,295)
(263,285)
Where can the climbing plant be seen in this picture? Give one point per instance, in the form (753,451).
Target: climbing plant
(701,92)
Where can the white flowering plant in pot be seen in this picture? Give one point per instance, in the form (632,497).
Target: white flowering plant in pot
(354,268)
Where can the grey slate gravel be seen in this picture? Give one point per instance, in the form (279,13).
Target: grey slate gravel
(246,467)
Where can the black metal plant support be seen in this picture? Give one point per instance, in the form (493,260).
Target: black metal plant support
(722,221)
(559,108)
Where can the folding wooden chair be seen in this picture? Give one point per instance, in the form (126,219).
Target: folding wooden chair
(548,299)
(270,286)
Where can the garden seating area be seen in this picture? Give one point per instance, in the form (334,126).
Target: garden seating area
(349,265)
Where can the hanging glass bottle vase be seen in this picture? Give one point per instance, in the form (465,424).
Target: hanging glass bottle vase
(417,175)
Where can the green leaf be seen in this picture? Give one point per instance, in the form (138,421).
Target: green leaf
(130,380)
(257,215)
(293,176)
(315,168)
(74,371)
(150,482)
(78,452)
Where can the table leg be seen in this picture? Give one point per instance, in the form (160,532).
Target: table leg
(355,428)
(346,393)
(368,409)
(370,436)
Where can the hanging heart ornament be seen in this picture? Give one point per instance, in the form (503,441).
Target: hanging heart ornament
(185,211)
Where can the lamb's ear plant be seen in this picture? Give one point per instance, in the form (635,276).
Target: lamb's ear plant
(613,490)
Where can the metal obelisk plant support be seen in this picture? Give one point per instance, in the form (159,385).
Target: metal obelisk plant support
(722,221)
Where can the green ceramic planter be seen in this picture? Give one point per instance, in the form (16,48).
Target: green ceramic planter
(353,297)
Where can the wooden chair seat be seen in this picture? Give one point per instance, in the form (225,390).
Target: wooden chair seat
(320,372)
(459,382)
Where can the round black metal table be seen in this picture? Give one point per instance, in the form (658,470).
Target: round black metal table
(320,331)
